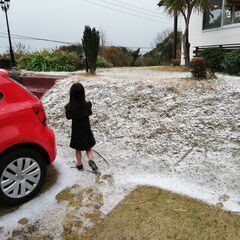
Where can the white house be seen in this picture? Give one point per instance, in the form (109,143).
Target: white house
(220,26)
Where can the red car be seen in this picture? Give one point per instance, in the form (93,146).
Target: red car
(27,144)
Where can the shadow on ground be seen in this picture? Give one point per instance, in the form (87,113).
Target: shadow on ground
(51,179)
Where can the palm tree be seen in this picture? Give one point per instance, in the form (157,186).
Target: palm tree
(185,8)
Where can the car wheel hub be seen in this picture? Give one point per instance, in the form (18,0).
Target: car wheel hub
(20,177)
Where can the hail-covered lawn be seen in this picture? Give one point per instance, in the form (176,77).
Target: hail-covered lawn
(154,128)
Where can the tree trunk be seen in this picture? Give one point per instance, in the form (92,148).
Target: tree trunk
(86,65)
(175,36)
(186,46)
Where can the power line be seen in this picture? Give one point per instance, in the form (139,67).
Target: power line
(131,9)
(3,36)
(118,10)
(129,13)
(35,38)
(23,37)
(143,9)
(132,47)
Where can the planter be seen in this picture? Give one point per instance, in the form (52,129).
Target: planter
(176,62)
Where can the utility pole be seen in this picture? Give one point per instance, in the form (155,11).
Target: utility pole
(175,35)
(175,28)
(5,6)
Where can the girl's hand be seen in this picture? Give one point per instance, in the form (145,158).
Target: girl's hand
(89,108)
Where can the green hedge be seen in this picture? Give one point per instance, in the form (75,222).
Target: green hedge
(218,60)
(231,62)
(214,58)
(48,61)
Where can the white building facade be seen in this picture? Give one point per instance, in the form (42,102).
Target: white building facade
(220,26)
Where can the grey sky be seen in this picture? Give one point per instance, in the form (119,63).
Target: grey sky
(65,20)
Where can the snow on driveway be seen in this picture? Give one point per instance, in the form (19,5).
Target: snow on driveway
(154,128)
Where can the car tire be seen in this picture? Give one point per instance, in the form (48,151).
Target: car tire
(22,173)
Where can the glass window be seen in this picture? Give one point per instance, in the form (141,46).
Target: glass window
(237,13)
(228,13)
(213,17)
(231,12)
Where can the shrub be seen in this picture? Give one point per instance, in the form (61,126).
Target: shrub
(61,61)
(48,61)
(135,55)
(148,61)
(198,68)
(163,50)
(118,56)
(214,58)
(103,63)
(77,60)
(22,61)
(76,51)
(232,62)
(73,48)
(5,61)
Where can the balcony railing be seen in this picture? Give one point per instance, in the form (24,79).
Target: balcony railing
(226,47)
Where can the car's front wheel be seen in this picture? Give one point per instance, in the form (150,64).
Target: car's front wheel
(22,174)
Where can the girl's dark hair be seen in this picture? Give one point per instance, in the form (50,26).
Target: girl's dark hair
(77,101)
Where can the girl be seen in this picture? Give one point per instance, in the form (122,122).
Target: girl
(82,138)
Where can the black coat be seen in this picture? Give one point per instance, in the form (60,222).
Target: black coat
(81,137)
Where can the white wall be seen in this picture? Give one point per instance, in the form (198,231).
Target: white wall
(225,35)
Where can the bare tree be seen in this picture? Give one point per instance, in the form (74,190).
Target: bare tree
(161,36)
(21,48)
(103,37)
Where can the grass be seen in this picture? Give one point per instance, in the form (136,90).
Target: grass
(152,214)
(170,68)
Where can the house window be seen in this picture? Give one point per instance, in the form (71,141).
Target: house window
(221,12)
(213,17)
(231,12)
